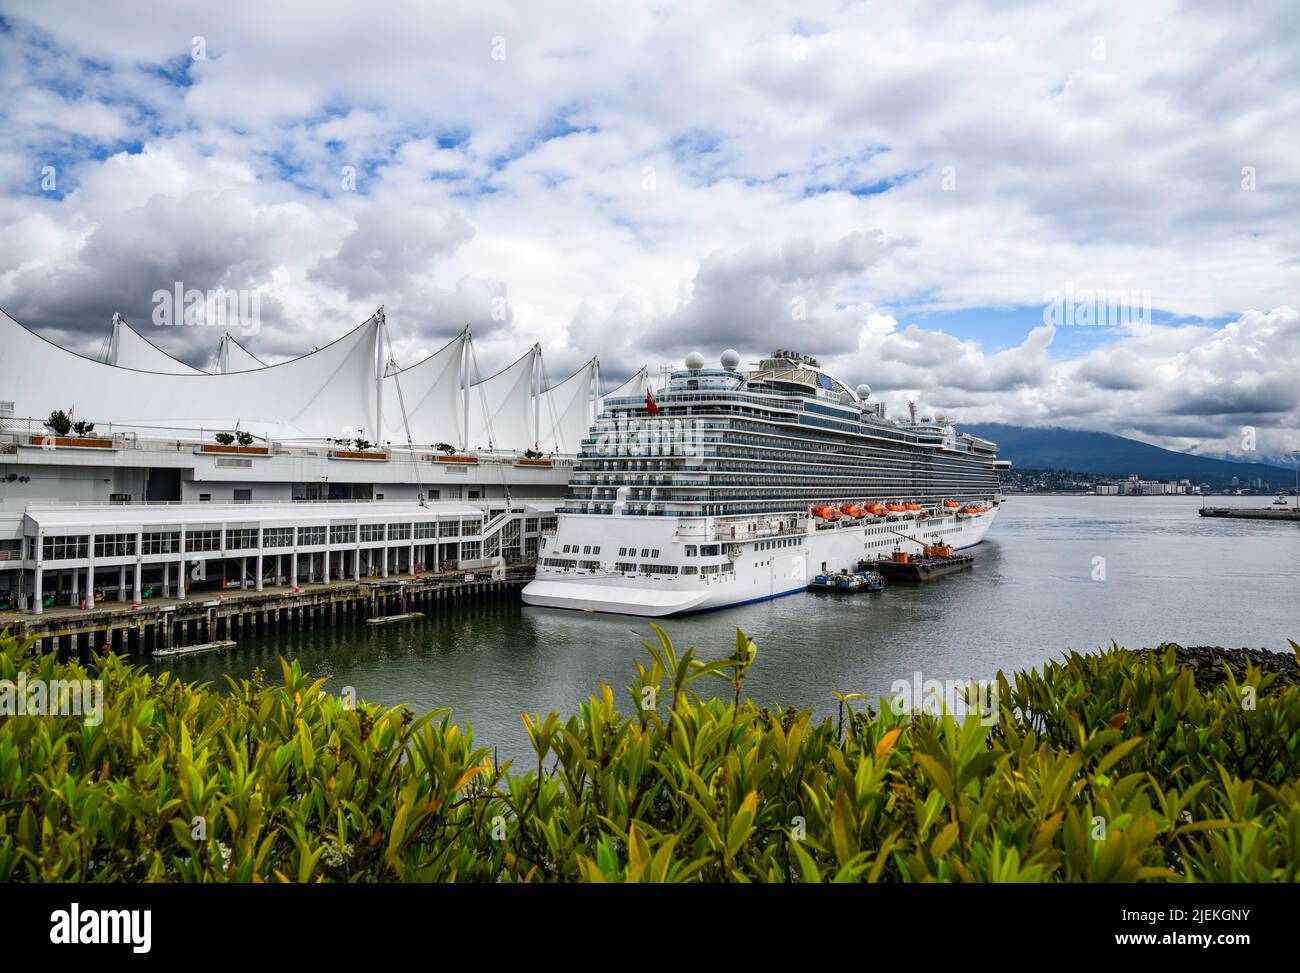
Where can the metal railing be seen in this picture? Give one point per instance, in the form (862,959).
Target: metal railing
(479,503)
(16,432)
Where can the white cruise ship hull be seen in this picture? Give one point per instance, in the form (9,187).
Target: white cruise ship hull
(758,568)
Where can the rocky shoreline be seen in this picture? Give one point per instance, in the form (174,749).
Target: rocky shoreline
(1207,663)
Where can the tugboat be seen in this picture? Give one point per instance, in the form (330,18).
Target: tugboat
(848,582)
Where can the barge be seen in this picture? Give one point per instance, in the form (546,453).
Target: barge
(936,561)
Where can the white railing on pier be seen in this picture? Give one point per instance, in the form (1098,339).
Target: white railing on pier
(16,432)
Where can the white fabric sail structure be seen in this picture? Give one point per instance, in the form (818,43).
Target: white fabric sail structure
(334,392)
(127,348)
(313,397)
(501,408)
(433,392)
(234,357)
(637,385)
(566,411)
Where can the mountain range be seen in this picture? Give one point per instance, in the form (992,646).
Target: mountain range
(1110,455)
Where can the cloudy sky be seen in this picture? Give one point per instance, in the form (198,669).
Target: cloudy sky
(934,198)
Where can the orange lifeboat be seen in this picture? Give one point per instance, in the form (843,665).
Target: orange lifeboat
(827,513)
(876,509)
(951,505)
(854,510)
(972,510)
(912,506)
(895,510)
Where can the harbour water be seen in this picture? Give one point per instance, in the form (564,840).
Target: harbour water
(1037,589)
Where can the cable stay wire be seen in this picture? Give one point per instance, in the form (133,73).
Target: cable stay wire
(392,369)
(487,415)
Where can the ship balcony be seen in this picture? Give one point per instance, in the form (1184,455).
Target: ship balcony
(744,532)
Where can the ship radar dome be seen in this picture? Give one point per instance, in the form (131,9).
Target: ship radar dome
(864,391)
(695,361)
(730,359)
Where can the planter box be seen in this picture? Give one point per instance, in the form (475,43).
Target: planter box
(78,442)
(356,454)
(240,450)
(534,462)
(457,459)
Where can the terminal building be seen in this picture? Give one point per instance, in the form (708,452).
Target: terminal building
(122,476)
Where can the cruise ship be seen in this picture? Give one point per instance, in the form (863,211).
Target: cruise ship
(724,487)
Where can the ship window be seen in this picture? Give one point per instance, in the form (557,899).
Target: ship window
(709,550)
(645,552)
(690,550)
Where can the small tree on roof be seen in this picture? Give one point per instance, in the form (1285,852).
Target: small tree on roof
(59,423)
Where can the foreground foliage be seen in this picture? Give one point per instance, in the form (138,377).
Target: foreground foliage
(1109,767)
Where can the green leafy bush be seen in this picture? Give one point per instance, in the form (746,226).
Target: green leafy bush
(1109,767)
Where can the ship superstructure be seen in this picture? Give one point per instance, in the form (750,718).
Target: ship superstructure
(724,487)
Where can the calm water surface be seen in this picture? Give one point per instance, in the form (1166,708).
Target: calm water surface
(1169,576)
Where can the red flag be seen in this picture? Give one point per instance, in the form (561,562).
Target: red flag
(650,404)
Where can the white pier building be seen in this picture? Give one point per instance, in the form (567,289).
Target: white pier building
(337,464)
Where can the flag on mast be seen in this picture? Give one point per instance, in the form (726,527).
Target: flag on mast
(651,406)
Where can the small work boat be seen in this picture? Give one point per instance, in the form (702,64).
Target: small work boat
(848,582)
